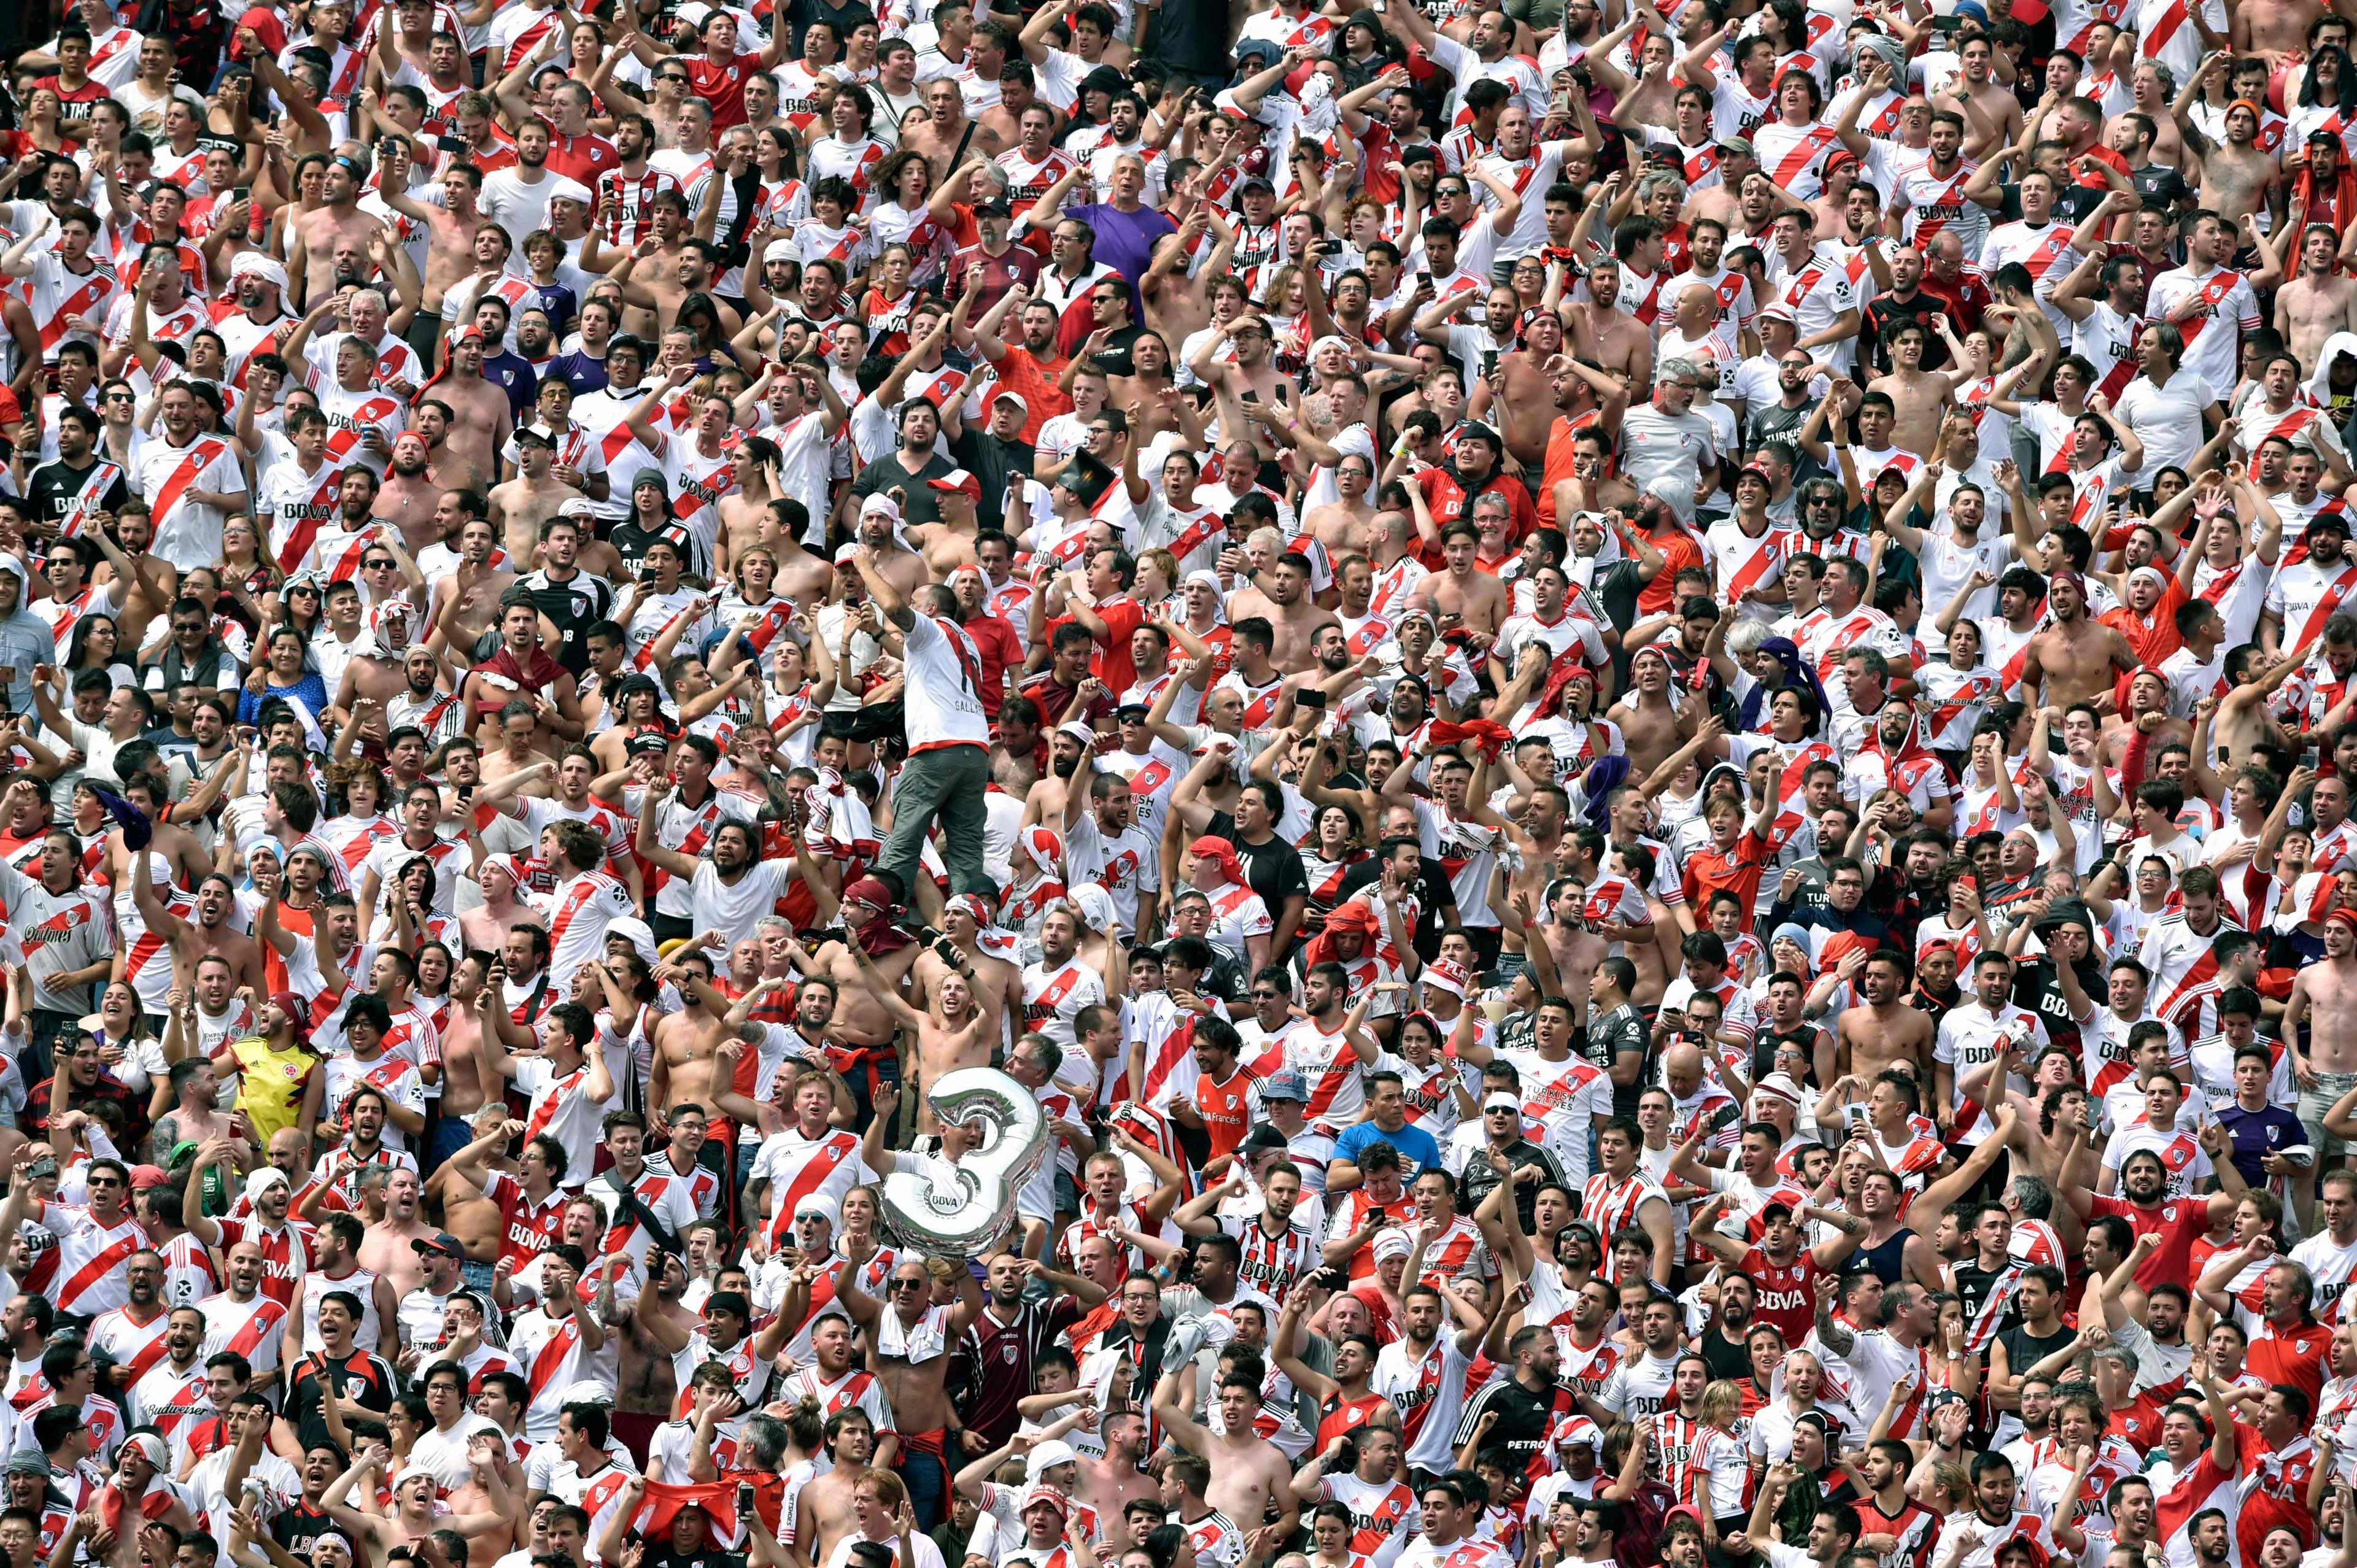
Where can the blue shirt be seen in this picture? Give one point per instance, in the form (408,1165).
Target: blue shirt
(2255,1134)
(512,374)
(1418,1151)
(579,372)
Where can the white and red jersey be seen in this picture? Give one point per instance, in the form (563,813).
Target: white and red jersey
(90,1258)
(1743,563)
(2330,1265)
(548,1349)
(254,1328)
(579,909)
(857,1389)
(361,1283)
(1454,1254)
(170,1399)
(662,1194)
(794,1167)
(1610,1205)
(1567,1098)
(561,1107)
(2179,1496)
(626,203)
(1383,1515)
(134,1345)
(2303,596)
(2183,970)
(1027,181)
(1330,1071)
(289,1252)
(1428,1388)
(1052,998)
(1680,1449)
(57,295)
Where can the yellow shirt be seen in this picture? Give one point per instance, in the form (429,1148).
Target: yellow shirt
(270,1084)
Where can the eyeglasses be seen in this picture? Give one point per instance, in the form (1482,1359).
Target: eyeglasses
(122,397)
(908,1284)
(377,566)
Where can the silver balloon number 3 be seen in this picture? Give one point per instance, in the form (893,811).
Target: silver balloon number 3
(968,1207)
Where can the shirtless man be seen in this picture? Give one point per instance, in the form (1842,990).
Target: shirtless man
(449,228)
(208,933)
(1609,336)
(337,223)
(862,1022)
(476,1221)
(1523,391)
(947,131)
(485,926)
(385,1250)
(1344,524)
(921,1405)
(1918,398)
(1248,1473)
(2277,29)
(685,1070)
(1649,729)
(466,601)
(408,497)
(450,467)
(522,505)
(823,1510)
(2238,179)
(2319,301)
(1282,598)
(478,416)
(1883,1031)
(746,520)
(1478,600)
(2074,660)
(2325,995)
(996,984)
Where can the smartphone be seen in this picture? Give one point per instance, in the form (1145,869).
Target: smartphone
(1248,396)
(451,144)
(242,193)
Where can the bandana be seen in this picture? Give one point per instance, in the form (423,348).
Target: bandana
(877,935)
(1358,915)
(1212,847)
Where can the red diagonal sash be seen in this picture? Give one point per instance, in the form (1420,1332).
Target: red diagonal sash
(107,1260)
(1796,162)
(78,302)
(202,454)
(2214,288)
(1764,560)
(551,1357)
(822,1163)
(2311,631)
(558,1092)
(307,531)
(342,440)
(2058,239)
(2162,31)
(1971,691)
(2289,426)
(86,499)
(644,659)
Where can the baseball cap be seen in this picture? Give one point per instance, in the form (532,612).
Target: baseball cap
(1283,1084)
(960,481)
(441,1241)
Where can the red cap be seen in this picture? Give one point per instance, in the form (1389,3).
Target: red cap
(959,480)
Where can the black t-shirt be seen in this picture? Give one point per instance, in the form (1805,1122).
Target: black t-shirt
(1611,1036)
(1973,1283)
(990,461)
(574,606)
(2035,987)
(631,541)
(1435,895)
(1882,312)
(920,502)
(2024,1350)
(710,1557)
(54,488)
(296,1527)
(1726,1358)
(1114,358)
(366,1379)
(1272,867)
(1478,1181)
(2159,182)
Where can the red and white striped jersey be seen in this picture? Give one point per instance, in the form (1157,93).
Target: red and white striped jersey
(255,1329)
(1610,1205)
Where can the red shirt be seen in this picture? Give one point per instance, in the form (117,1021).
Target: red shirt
(2293,1356)
(722,86)
(1001,650)
(583,157)
(1738,870)
(1785,1297)
(2179,1223)
(1111,663)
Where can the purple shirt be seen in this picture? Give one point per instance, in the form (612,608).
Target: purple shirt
(1124,242)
